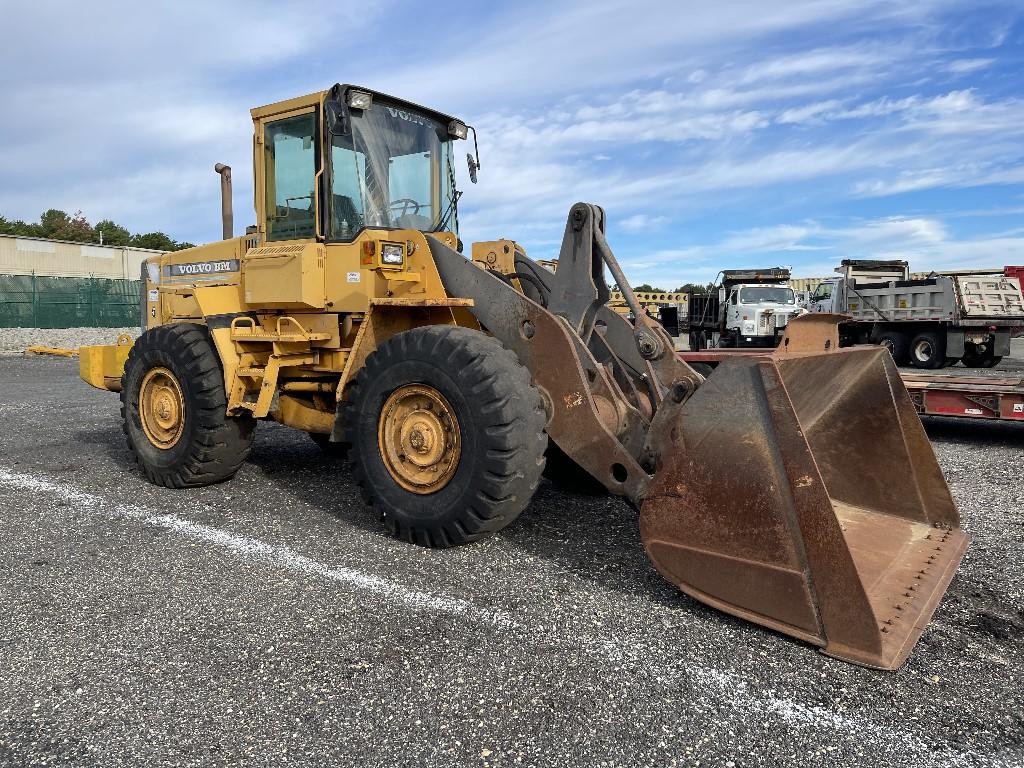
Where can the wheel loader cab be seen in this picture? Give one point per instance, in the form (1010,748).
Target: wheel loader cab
(330,165)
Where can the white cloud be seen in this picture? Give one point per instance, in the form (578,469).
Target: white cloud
(966,66)
(642,221)
(814,249)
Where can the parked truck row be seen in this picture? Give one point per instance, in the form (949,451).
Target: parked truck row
(930,322)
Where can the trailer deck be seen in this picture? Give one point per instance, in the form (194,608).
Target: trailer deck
(934,394)
(972,397)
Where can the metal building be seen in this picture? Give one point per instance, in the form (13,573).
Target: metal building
(60,258)
(60,284)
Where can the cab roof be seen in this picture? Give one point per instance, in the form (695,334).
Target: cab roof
(338,91)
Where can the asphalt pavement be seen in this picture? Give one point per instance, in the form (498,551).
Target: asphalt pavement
(270,620)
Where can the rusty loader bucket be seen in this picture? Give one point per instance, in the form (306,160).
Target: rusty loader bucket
(796,490)
(799,491)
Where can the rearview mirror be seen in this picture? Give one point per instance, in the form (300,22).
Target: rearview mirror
(471,162)
(337,118)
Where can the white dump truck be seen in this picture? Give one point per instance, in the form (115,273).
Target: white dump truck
(930,322)
(750,309)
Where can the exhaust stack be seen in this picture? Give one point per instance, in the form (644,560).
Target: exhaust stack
(226,214)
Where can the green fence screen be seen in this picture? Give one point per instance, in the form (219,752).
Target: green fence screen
(30,301)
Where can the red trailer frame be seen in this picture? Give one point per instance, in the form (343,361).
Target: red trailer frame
(933,394)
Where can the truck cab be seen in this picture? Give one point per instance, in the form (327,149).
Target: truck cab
(751,308)
(756,313)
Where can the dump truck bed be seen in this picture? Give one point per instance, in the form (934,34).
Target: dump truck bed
(961,299)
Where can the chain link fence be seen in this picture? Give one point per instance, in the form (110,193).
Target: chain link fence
(31,301)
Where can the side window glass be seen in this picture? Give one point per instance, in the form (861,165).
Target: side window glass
(348,192)
(290,161)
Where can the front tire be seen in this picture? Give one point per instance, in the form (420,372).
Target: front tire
(897,345)
(174,409)
(448,432)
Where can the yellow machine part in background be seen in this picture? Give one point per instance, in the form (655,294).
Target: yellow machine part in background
(102,366)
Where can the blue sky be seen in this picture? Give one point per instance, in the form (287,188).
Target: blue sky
(715,135)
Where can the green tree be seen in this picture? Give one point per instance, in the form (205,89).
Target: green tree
(156,241)
(113,234)
(647,288)
(57,225)
(696,287)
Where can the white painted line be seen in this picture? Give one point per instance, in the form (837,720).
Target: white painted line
(254,549)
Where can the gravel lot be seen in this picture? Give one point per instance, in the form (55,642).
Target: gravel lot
(14,340)
(269,618)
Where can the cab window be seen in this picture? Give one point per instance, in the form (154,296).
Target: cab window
(823,291)
(290,163)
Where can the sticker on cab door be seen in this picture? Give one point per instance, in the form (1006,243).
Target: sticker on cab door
(352,277)
(154,294)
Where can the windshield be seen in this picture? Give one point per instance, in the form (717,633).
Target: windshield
(767,294)
(394,169)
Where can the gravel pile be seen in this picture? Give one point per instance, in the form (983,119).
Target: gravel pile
(14,340)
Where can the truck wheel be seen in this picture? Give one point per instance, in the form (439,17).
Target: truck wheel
(928,350)
(897,345)
(173,409)
(973,358)
(448,432)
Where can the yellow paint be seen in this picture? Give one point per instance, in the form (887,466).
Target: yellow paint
(102,366)
(55,351)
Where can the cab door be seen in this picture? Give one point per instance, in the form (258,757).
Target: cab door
(287,173)
(822,298)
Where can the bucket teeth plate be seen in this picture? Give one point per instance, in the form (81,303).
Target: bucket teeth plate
(801,493)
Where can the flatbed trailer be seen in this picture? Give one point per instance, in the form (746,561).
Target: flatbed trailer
(971,397)
(933,394)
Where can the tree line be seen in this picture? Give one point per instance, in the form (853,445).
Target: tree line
(58,225)
(684,288)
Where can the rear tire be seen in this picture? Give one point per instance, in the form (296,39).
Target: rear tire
(975,359)
(448,435)
(897,345)
(928,350)
(173,409)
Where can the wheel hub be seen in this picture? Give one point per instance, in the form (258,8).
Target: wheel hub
(418,437)
(161,408)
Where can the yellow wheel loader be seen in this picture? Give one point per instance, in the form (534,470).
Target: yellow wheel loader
(796,490)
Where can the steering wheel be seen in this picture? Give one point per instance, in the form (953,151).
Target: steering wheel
(399,208)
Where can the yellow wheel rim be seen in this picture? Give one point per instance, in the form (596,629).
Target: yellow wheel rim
(418,437)
(161,408)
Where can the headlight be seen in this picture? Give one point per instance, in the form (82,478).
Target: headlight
(457,129)
(360,99)
(391,253)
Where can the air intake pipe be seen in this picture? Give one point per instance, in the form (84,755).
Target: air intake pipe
(226,214)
